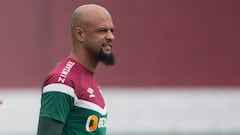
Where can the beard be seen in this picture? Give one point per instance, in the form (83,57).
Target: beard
(106,59)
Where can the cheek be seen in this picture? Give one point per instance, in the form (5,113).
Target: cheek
(95,42)
(94,46)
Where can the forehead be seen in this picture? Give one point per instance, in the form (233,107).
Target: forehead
(101,21)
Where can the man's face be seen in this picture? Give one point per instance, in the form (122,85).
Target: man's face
(98,40)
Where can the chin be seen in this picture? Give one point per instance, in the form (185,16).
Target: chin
(106,58)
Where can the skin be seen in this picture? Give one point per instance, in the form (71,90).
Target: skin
(1,101)
(92,30)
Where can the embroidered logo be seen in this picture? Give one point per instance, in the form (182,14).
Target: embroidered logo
(91,92)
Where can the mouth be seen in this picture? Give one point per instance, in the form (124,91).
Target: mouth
(107,48)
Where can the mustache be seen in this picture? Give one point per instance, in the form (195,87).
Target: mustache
(107,44)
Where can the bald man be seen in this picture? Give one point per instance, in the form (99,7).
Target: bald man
(72,101)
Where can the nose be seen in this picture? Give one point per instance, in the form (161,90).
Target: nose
(110,36)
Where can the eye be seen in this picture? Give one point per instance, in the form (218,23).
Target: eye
(112,30)
(103,30)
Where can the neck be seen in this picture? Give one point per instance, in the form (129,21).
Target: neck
(83,59)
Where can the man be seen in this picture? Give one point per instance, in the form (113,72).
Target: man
(72,102)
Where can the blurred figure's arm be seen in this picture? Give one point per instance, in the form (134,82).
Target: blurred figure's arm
(1,101)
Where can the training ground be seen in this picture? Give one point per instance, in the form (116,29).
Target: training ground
(145,111)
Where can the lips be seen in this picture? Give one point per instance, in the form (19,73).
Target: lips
(107,48)
(107,44)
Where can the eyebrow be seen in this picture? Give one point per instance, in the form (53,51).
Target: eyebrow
(105,28)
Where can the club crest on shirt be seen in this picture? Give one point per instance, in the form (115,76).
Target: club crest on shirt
(91,92)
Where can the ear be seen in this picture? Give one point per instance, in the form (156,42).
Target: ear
(79,34)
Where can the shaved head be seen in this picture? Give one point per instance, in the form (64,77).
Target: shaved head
(92,34)
(84,15)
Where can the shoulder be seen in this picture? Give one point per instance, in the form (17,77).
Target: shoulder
(61,73)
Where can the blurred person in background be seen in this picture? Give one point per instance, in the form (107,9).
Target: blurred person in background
(72,101)
(1,101)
